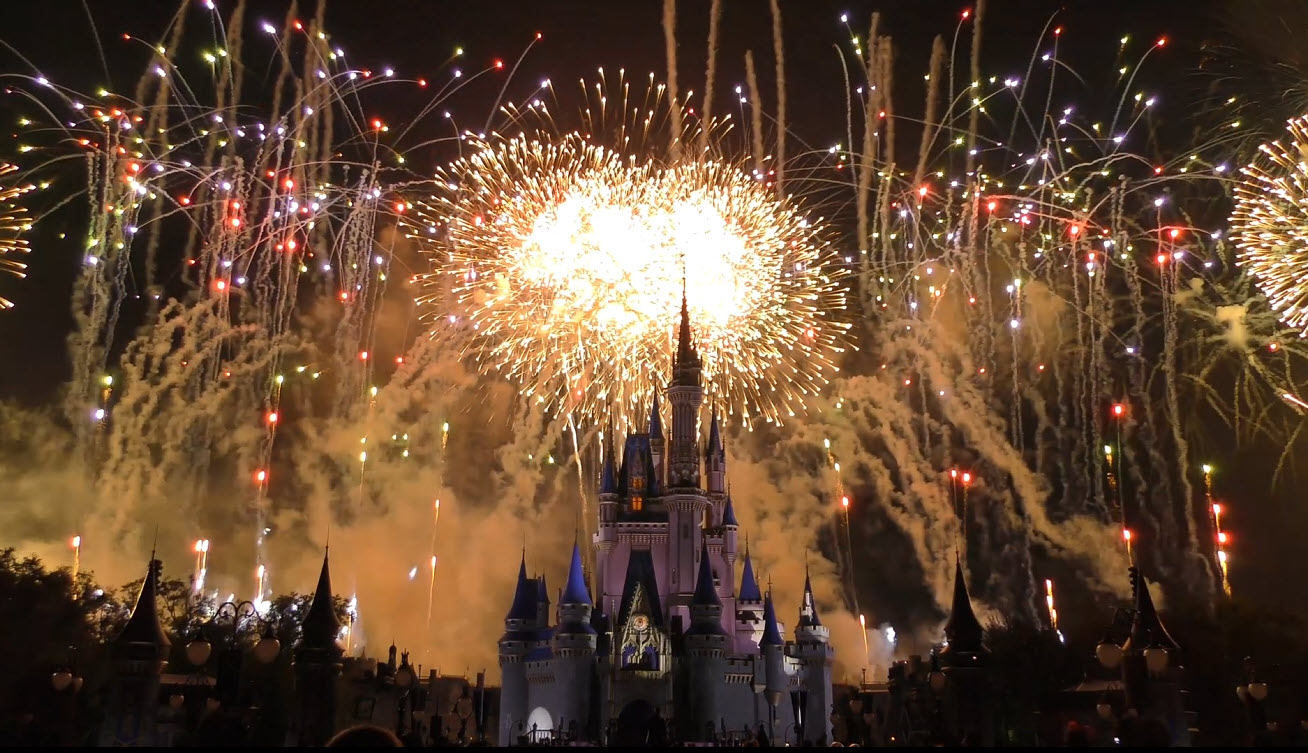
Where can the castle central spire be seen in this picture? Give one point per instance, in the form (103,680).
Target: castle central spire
(686,395)
(686,366)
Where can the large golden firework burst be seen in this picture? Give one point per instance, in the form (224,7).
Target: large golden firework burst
(564,264)
(1270,222)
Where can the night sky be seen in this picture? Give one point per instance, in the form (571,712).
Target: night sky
(416,38)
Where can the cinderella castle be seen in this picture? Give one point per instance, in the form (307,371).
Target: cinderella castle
(664,643)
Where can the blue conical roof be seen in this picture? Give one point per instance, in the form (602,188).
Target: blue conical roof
(771,633)
(655,420)
(575,591)
(748,585)
(524,596)
(715,435)
(808,614)
(705,593)
(609,476)
(729,515)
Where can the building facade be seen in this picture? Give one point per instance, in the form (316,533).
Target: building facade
(660,641)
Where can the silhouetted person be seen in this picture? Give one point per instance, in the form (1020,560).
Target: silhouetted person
(1154,733)
(1075,736)
(365,736)
(658,731)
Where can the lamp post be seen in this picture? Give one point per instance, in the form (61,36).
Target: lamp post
(799,709)
(66,684)
(405,680)
(1148,662)
(856,711)
(1253,692)
(228,626)
(773,698)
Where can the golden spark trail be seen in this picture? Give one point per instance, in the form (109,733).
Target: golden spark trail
(431,585)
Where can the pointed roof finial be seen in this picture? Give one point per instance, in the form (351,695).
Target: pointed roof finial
(655,419)
(524,596)
(771,633)
(609,474)
(963,630)
(706,594)
(575,591)
(729,515)
(143,637)
(748,585)
(808,614)
(1147,627)
(715,436)
(686,365)
(321,626)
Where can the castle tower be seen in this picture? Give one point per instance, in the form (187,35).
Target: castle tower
(607,535)
(749,611)
(715,468)
(574,643)
(772,647)
(685,501)
(1155,692)
(139,655)
(542,602)
(520,631)
(730,530)
(317,665)
(969,707)
(656,445)
(686,395)
(702,676)
(814,652)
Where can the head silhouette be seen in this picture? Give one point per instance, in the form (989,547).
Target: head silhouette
(365,736)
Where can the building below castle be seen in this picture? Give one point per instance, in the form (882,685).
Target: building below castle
(660,642)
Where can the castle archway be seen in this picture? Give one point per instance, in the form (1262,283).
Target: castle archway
(539,724)
(636,726)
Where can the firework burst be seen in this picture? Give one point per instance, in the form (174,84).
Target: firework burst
(13,222)
(566,263)
(1270,223)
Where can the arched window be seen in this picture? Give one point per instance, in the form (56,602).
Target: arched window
(540,720)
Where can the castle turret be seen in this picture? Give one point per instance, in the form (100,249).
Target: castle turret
(1151,668)
(607,535)
(702,676)
(715,467)
(317,665)
(574,643)
(656,443)
(685,501)
(772,648)
(969,702)
(813,651)
(520,634)
(963,631)
(749,611)
(730,530)
(139,655)
(542,601)
(686,395)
